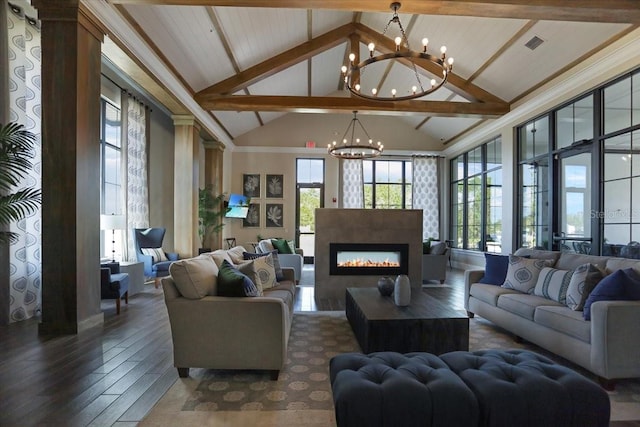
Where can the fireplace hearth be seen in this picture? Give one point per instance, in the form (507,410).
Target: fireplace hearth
(367,259)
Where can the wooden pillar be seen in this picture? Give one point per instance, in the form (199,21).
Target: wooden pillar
(185,186)
(213,173)
(71,44)
(4,118)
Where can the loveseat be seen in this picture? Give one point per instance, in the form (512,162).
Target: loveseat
(607,345)
(223,332)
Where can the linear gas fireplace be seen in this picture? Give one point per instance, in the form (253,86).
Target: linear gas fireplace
(366,259)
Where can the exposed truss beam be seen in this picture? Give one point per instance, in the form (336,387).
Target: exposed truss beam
(328,104)
(614,11)
(281,61)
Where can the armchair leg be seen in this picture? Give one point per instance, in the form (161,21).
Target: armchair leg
(183,372)
(126,297)
(273,375)
(117,305)
(156,282)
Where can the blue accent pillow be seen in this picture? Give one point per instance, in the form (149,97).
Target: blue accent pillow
(232,283)
(495,269)
(621,285)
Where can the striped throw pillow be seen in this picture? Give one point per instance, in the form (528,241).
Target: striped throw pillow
(553,284)
(157,254)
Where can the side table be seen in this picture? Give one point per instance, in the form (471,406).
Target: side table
(136,275)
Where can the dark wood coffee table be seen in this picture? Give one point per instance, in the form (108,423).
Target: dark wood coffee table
(427,324)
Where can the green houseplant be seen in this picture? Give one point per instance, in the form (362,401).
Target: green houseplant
(210,214)
(16,145)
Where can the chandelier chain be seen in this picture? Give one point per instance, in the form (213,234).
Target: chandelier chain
(395,18)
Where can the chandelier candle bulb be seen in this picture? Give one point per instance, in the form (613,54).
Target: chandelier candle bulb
(355,72)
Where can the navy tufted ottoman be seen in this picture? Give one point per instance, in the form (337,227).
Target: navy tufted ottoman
(483,388)
(392,389)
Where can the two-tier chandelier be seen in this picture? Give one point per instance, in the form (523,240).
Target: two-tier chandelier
(354,146)
(354,74)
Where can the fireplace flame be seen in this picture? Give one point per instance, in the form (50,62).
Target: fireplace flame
(360,262)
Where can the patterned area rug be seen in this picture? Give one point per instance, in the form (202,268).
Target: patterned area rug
(303,383)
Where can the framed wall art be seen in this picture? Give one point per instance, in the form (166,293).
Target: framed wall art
(274,215)
(251,185)
(253,216)
(275,186)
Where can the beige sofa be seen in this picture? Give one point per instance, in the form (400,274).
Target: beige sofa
(607,345)
(218,332)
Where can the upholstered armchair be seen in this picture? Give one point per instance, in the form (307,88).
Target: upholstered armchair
(434,264)
(148,242)
(113,284)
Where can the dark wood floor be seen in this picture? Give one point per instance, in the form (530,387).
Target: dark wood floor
(109,375)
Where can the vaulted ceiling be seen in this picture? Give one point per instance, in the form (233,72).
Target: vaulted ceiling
(255,68)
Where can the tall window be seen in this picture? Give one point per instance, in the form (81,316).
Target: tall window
(387,184)
(111,195)
(476,198)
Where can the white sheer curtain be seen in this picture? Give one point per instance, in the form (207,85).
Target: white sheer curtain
(137,194)
(352,184)
(426,194)
(24,98)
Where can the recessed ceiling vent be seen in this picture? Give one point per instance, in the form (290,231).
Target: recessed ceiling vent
(534,42)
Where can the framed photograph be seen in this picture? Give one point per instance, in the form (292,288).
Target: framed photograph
(251,185)
(253,216)
(275,186)
(274,215)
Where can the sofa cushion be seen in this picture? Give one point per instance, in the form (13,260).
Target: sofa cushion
(235,253)
(276,261)
(522,273)
(614,264)
(538,254)
(196,277)
(495,270)
(523,305)
(285,285)
(489,293)
(219,256)
(621,285)
(282,294)
(583,280)
(570,261)
(233,283)
(553,283)
(281,246)
(157,254)
(565,320)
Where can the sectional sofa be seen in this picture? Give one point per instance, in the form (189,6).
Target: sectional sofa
(607,345)
(221,332)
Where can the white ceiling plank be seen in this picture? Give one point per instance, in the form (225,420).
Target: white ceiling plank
(325,70)
(237,123)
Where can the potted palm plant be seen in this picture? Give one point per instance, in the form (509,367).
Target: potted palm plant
(16,145)
(210,214)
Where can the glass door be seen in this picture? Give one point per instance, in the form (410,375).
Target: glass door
(573,231)
(309,198)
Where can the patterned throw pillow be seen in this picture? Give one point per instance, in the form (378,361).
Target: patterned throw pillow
(232,283)
(265,272)
(522,273)
(583,280)
(276,261)
(248,268)
(157,254)
(553,284)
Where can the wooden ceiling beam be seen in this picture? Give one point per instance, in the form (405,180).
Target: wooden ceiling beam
(455,83)
(328,104)
(613,11)
(280,62)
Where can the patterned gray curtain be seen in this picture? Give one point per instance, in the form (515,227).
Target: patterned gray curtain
(426,194)
(137,195)
(25,106)
(352,184)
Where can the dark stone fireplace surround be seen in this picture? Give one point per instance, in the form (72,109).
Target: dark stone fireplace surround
(369,226)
